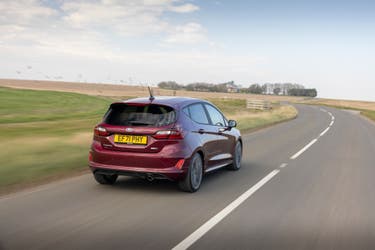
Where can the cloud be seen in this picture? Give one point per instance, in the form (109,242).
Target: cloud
(189,33)
(125,18)
(88,28)
(25,12)
(185,8)
(128,18)
(86,33)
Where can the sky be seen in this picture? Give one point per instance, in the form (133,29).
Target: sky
(327,45)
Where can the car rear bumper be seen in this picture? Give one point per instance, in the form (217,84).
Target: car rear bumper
(171,173)
(164,164)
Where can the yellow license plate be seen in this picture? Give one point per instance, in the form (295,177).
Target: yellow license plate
(131,139)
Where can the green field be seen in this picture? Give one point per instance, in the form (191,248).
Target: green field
(46,135)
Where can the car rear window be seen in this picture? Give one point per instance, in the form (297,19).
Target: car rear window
(146,115)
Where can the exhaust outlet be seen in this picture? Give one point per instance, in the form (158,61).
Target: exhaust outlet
(150,177)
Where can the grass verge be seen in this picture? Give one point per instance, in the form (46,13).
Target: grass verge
(250,120)
(47,134)
(365,108)
(369,113)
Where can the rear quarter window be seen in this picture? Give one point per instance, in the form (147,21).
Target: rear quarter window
(146,115)
(197,113)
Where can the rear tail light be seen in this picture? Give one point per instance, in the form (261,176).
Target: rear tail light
(90,156)
(100,131)
(168,134)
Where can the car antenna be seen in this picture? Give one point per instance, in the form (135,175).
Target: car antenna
(151,98)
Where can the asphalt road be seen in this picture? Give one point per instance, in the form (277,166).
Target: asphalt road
(305,184)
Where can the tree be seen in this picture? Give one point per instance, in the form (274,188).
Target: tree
(312,92)
(169,85)
(264,89)
(255,89)
(303,92)
(200,86)
(276,91)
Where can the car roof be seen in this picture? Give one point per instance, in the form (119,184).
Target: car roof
(173,101)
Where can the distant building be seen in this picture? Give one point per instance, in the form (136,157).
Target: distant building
(284,88)
(232,88)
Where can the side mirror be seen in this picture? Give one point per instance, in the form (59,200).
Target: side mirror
(232,123)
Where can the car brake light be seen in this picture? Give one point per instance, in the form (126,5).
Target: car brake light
(90,156)
(100,131)
(168,134)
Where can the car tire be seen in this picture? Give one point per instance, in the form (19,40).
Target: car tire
(237,157)
(105,179)
(193,179)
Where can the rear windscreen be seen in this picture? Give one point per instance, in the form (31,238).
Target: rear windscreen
(149,115)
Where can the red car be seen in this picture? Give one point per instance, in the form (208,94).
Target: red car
(173,138)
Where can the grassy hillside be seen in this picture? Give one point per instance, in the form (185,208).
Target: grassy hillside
(46,135)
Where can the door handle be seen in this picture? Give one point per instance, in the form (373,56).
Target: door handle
(201,131)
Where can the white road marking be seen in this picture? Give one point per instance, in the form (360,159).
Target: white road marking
(303,149)
(283,165)
(202,230)
(316,139)
(325,131)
